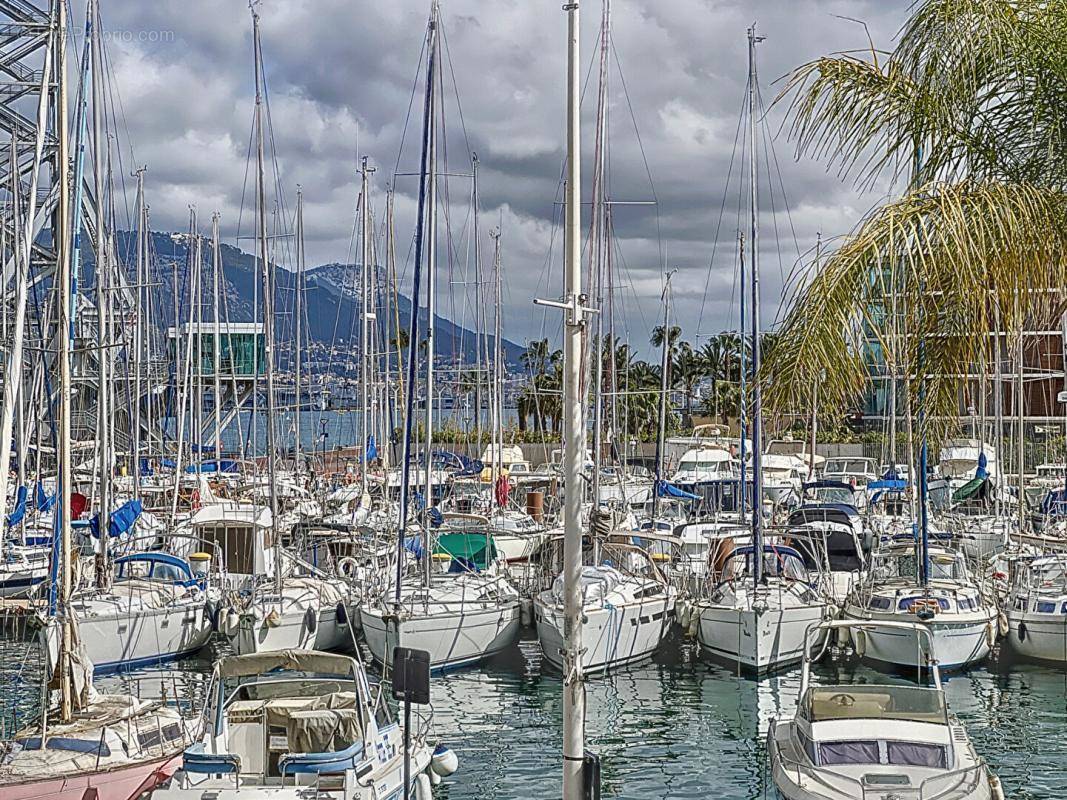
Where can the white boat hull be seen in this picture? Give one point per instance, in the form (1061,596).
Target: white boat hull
(757,642)
(612,637)
(126,641)
(1042,637)
(959,640)
(453,639)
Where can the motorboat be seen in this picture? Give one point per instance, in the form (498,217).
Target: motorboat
(854,471)
(949,602)
(297,724)
(871,740)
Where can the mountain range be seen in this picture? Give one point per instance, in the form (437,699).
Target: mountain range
(331,296)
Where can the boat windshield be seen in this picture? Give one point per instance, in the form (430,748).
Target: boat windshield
(943,566)
(833,494)
(906,703)
(776,564)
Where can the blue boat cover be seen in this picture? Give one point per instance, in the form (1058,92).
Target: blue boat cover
(44,503)
(668,489)
(122,520)
(19,511)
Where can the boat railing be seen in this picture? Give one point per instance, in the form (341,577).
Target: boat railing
(968,778)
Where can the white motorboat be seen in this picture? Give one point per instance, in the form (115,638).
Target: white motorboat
(297,724)
(1036,608)
(875,741)
(705,463)
(759,625)
(627,609)
(961,620)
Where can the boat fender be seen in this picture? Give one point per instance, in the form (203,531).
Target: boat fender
(996,790)
(1022,631)
(311,620)
(341,613)
(693,628)
(526,612)
(423,790)
(859,642)
(444,762)
(843,637)
(1002,624)
(991,633)
(212,613)
(273,619)
(230,623)
(435,779)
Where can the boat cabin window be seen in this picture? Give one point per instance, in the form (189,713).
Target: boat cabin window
(777,564)
(290,687)
(907,754)
(904,565)
(236,543)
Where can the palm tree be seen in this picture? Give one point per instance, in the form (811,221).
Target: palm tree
(690,370)
(674,335)
(972,104)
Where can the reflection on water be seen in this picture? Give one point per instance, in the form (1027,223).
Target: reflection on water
(676,727)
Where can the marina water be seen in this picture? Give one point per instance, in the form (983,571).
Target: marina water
(677,727)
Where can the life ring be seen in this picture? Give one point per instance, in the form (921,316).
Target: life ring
(346,567)
(311,620)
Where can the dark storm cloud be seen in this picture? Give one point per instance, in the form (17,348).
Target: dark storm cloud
(340,77)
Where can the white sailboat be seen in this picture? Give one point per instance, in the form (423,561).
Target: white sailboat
(468,614)
(1036,608)
(759,605)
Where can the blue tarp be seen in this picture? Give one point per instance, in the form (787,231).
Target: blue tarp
(121,520)
(667,489)
(888,484)
(220,465)
(44,503)
(983,462)
(146,467)
(19,511)
(372,449)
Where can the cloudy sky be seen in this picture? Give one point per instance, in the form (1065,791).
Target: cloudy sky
(341,74)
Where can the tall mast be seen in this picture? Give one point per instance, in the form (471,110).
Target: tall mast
(664,368)
(815,394)
(103,328)
(64,223)
(757,401)
(364,323)
(138,338)
(431,289)
(298,324)
(573,434)
(596,248)
(268,306)
(498,364)
(481,339)
(216,278)
(1021,443)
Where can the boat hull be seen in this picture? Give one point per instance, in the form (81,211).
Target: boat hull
(126,641)
(1040,637)
(957,643)
(454,639)
(122,783)
(757,642)
(612,637)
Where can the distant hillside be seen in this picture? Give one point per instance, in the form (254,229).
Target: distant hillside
(331,297)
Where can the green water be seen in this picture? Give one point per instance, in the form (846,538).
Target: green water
(676,727)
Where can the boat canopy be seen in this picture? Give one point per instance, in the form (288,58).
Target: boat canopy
(312,661)
(473,550)
(17,514)
(970,490)
(120,521)
(667,489)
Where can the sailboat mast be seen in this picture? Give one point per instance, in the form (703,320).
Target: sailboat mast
(298,325)
(480,339)
(103,332)
(498,364)
(216,278)
(757,400)
(573,434)
(364,326)
(431,291)
(64,222)
(596,251)
(268,306)
(664,369)
(138,338)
